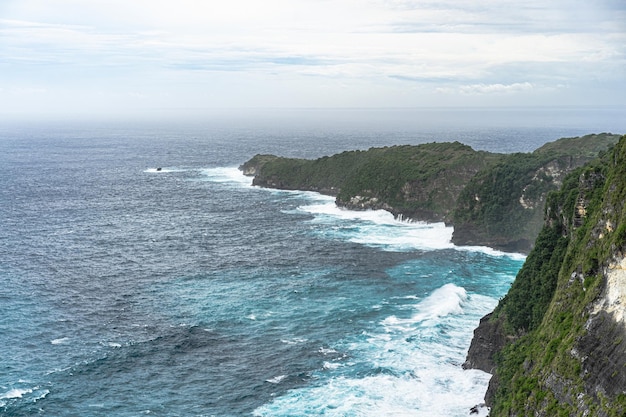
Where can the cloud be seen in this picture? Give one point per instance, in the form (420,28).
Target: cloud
(161,47)
(480,89)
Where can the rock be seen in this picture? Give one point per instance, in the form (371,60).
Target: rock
(489,338)
(479,409)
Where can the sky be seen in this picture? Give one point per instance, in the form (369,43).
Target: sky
(64,57)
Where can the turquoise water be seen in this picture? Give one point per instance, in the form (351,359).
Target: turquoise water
(129,291)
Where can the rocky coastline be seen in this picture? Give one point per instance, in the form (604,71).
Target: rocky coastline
(570,360)
(556,343)
(494,200)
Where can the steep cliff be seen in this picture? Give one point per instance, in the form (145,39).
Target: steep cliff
(557,341)
(502,206)
(494,200)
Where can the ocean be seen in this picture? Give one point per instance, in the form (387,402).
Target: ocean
(126,290)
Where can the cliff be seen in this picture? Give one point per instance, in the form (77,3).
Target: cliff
(502,207)
(491,199)
(556,342)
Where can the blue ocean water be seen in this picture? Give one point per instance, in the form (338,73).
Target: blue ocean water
(127,290)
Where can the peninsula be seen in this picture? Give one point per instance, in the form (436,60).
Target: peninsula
(491,199)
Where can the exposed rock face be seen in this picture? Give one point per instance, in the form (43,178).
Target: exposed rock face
(489,339)
(573,360)
(613,300)
(252,167)
(602,352)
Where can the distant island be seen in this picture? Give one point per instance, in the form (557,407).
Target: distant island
(491,199)
(556,343)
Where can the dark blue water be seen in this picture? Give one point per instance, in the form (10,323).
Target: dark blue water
(127,291)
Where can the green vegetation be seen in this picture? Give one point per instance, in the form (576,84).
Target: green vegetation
(559,365)
(413,181)
(491,199)
(563,355)
(423,180)
(504,204)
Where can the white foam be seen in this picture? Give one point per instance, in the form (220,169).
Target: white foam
(60,341)
(378,228)
(277,379)
(446,300)
(492,252)
(331,365)
(381,395)
(294,341)
(231,175)
(414,365)
(15,393)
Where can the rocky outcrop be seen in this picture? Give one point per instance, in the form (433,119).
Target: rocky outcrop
(489,339)
(570,359)
(253,167)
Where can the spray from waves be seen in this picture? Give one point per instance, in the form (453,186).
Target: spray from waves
(446,300)
(407,366)
(378,228)
(225,175)
(373,228)
(231,175)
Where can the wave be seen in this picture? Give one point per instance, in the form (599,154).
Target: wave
(444,301)
(18,393)
(373,228)
(492,252)
(277,379)
(378,228)
(408,366)
(231,175)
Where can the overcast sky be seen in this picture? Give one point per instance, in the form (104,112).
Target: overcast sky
(126,56)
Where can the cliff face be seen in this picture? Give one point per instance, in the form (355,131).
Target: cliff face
(491,199)
(563,321)
(415,182)
(502,207)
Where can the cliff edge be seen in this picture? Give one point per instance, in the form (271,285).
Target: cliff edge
(556,343)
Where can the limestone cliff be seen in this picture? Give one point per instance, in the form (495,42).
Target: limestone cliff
(557,340)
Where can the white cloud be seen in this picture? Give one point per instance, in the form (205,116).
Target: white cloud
(495,88)
(285,50)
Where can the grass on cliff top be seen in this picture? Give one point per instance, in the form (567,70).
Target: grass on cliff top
(585,146)
(390,169)
(545,353)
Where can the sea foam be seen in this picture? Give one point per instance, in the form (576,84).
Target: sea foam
(410,366)
(378,228)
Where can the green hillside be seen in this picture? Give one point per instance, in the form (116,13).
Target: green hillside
(566,354)
(494,200)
